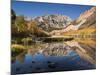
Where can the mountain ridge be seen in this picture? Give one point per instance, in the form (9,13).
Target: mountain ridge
(58,24)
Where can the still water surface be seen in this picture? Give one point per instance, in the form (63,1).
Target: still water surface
(47,57)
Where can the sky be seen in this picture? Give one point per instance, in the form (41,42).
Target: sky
(34,9)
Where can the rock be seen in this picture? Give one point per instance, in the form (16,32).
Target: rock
(52,65)
(52,22)
(50,25)
(33,61)
(90,16)
(85,20)
(17,69)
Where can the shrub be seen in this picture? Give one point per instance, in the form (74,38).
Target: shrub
(17,49)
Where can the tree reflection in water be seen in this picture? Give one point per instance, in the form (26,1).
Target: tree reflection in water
(59,54)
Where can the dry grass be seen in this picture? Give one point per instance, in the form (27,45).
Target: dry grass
(80,32)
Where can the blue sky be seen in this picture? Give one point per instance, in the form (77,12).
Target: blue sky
(33,9)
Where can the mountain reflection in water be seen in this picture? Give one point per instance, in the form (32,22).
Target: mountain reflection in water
(50,57)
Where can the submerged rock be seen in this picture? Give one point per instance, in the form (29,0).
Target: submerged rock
(52,65)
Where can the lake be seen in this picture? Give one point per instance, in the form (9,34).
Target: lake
(55,56)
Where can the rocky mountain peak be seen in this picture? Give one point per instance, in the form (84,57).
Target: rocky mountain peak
(89,14)
(52,22)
